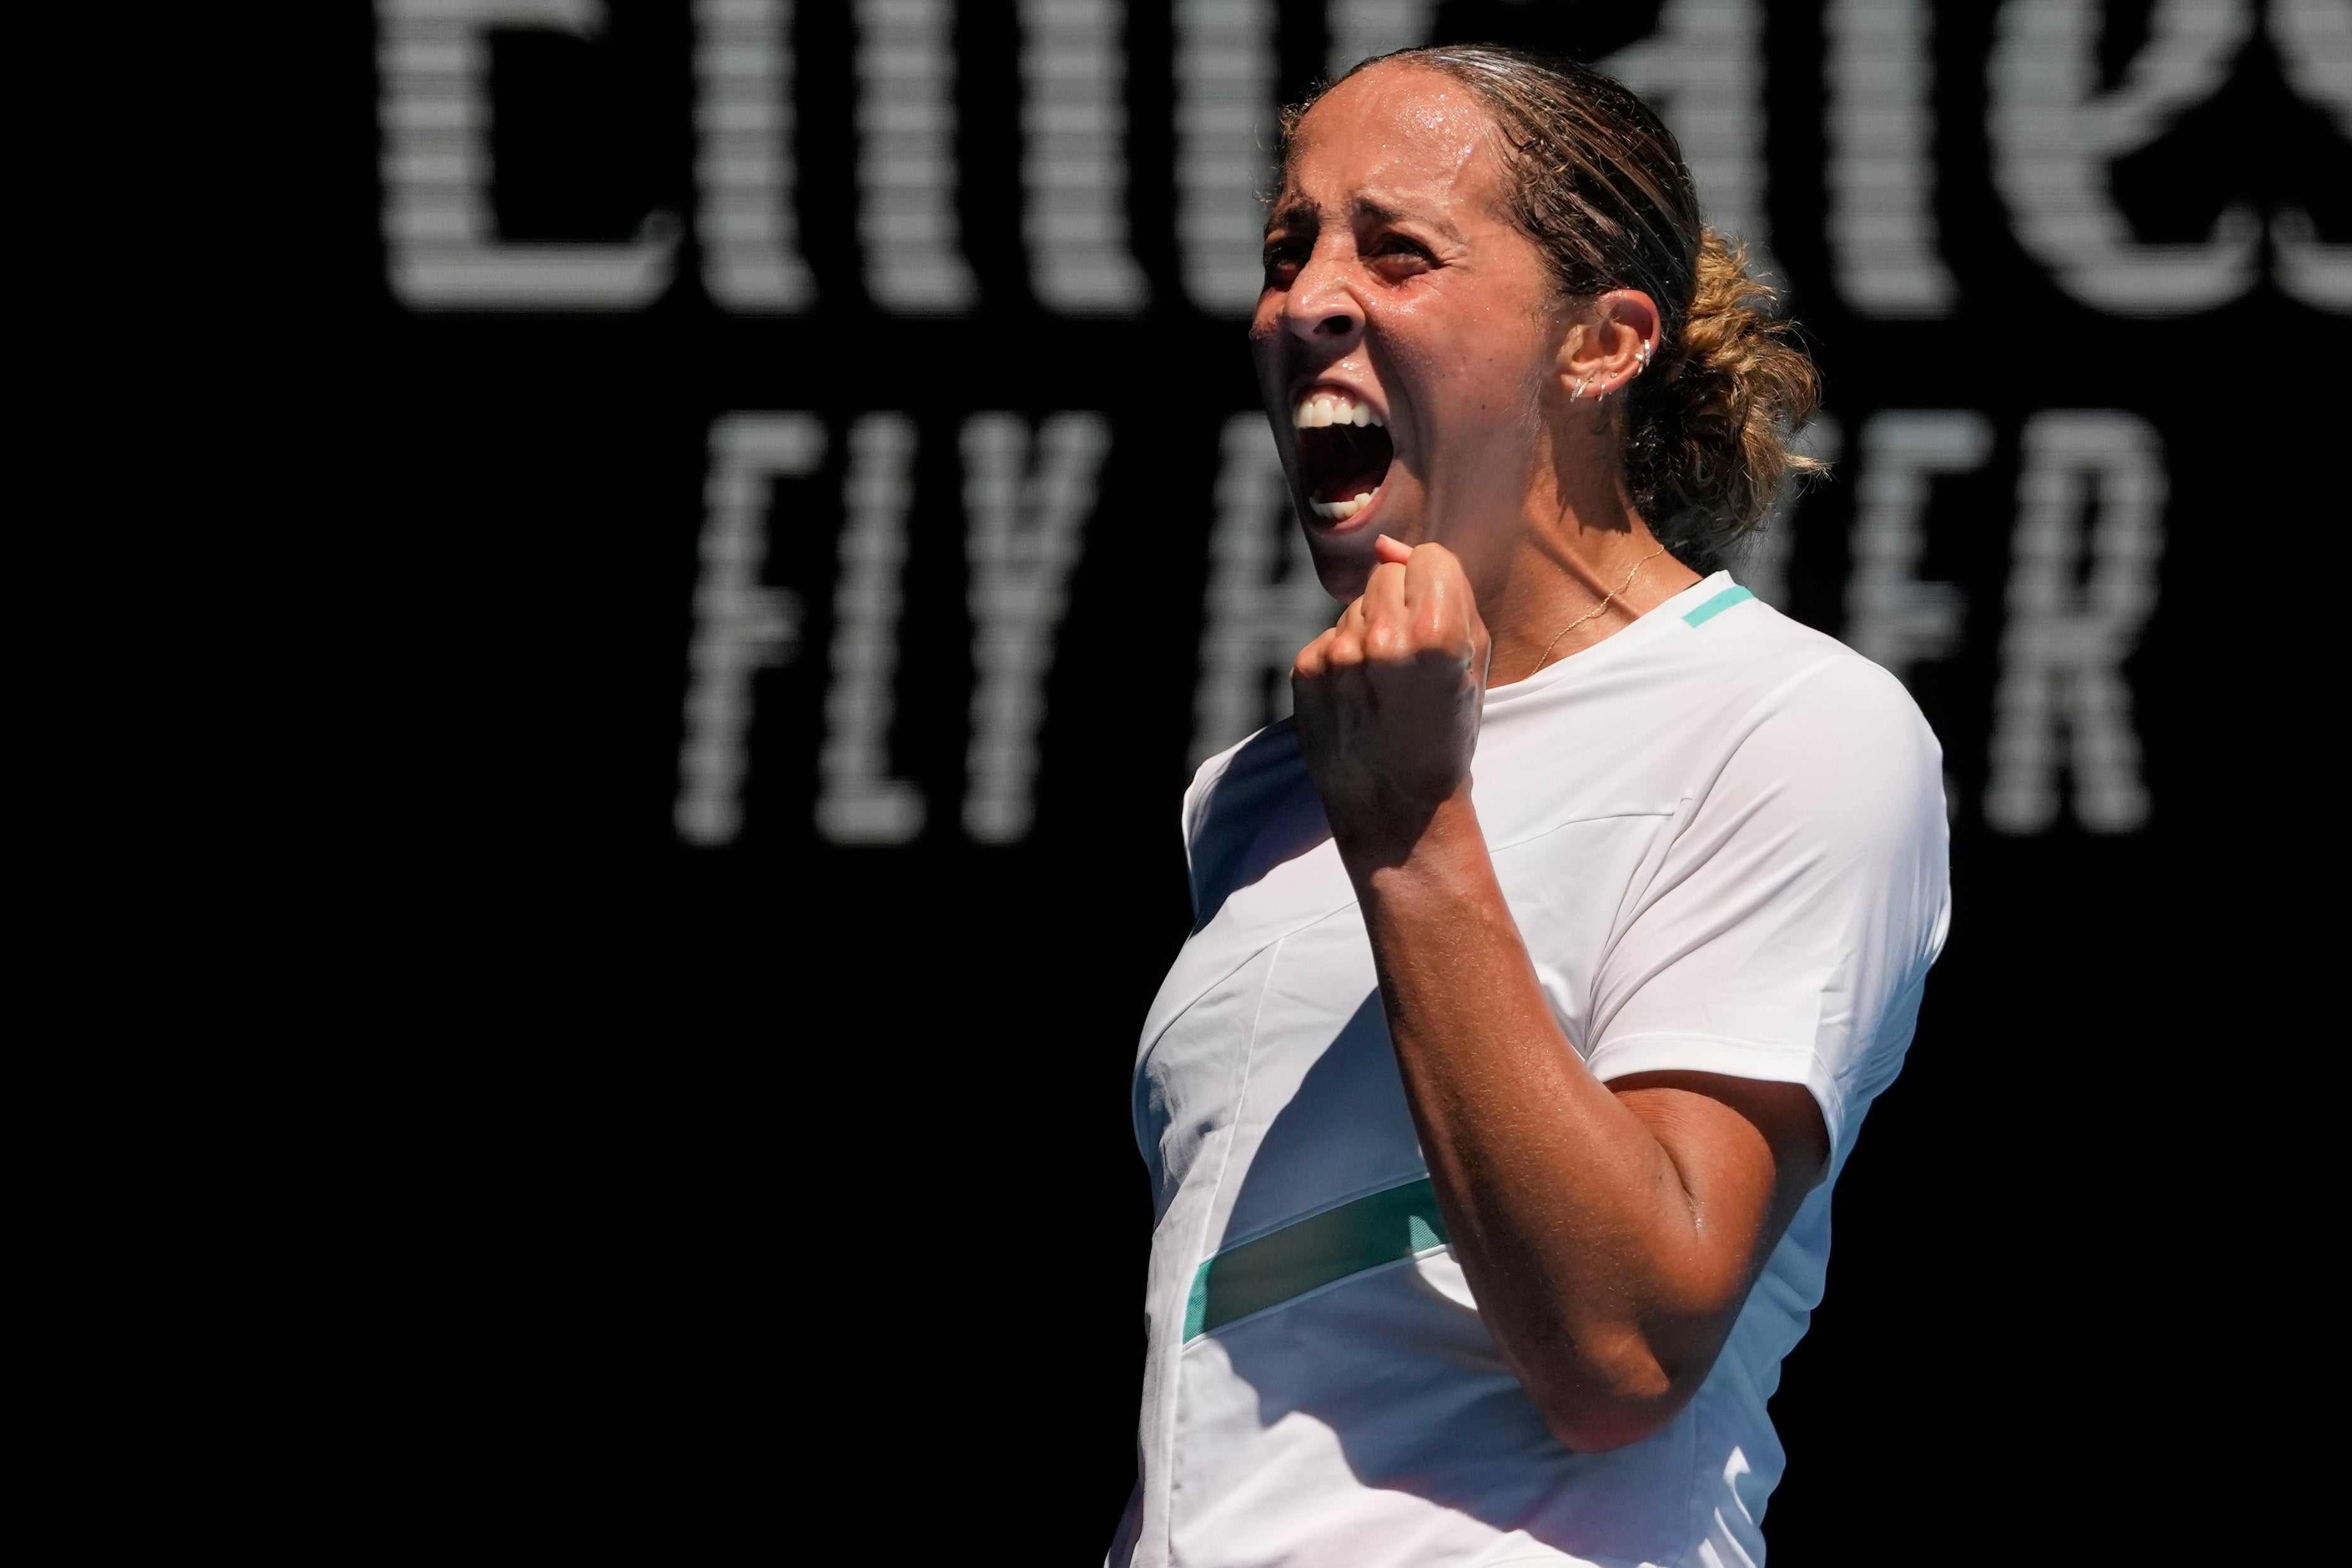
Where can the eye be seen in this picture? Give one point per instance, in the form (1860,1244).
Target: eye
(1397,257)
(1285,255)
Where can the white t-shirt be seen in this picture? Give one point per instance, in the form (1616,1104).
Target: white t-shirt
(1723,838)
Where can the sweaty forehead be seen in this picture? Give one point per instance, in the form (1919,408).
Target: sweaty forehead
(1397,138)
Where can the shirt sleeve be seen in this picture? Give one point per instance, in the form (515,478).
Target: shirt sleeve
(1800,896)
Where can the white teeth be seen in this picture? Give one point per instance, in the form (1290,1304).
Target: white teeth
(1341,510)
(1322,408)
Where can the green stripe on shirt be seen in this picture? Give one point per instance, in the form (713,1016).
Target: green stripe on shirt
(1717,605)
(1380,1227)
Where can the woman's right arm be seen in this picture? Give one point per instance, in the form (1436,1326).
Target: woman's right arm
(1610,1230)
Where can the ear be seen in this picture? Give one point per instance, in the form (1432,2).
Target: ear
(1615,341)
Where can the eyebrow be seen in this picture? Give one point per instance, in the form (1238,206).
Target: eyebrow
(1361,207)
(1291,215)
(1302,213)
(1366,208)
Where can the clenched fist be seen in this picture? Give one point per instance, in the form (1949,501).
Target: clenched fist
(1388,700)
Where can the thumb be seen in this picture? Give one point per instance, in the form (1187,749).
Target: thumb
(1389,551)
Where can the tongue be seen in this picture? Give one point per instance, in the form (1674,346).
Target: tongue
(1343,461)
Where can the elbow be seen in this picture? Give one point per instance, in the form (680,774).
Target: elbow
(1593,1426)
(1607,1403)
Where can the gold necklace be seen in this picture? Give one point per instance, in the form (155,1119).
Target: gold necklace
(1596,609)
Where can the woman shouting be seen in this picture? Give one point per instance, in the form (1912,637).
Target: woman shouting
(1545,964)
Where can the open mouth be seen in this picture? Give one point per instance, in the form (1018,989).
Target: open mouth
(1343,453)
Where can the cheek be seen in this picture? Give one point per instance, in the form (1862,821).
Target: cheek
(1265,340)
(1470,373)
(1507,364)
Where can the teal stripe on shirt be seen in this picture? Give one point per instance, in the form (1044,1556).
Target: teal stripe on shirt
(1371,1230)
(1717,605)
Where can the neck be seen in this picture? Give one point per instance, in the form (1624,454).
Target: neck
(1578,575)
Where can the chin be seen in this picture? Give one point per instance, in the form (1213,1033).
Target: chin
(1343,557)
(1343,579)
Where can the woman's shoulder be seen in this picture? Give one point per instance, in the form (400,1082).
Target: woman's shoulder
(1835,737)
(1719,670)
(1778,666)
(1265,764)
(1734,701)
(1801,673)
(1251,806)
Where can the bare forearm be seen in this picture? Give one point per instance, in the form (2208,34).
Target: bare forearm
(1574,1224)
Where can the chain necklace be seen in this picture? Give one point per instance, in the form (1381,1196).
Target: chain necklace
(1596,609)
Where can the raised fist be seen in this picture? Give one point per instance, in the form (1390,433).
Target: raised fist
(1388,700)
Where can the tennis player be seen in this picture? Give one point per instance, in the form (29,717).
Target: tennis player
(1546,964)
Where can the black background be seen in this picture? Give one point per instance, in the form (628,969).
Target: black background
(453,1161)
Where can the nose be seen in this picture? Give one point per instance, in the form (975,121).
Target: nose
(1318,307)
